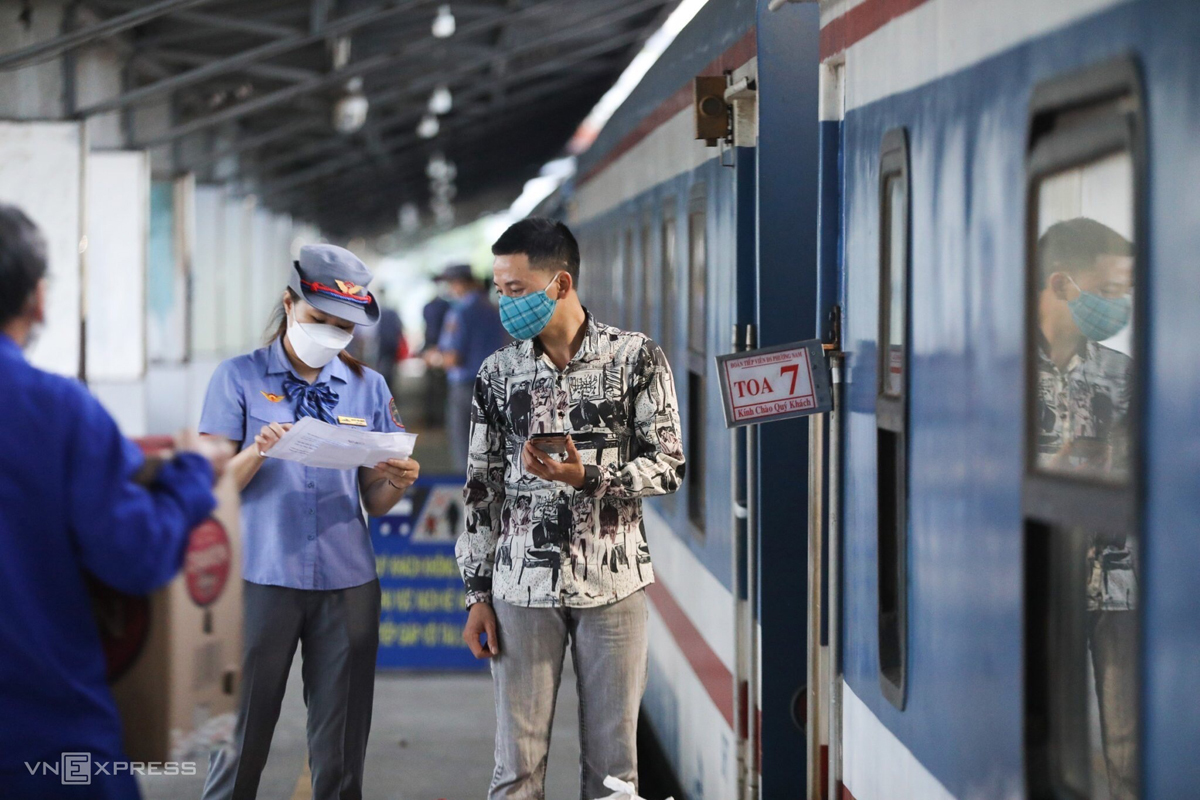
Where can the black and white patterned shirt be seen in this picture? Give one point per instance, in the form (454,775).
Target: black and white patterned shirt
(530,542)
(1087,403)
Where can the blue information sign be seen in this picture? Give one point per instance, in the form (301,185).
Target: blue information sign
(422,614)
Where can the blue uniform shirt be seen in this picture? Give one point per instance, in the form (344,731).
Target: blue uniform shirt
(302,527)
(473,332)
(68,508)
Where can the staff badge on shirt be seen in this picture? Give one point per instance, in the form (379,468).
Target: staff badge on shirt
(274,398)
(356,421)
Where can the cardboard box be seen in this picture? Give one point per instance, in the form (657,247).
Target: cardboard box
(175,657)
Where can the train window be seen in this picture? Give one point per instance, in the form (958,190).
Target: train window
(621,287)
(1080,484)
(891,413)
(1084,275)
(667,323)
(697,280)
(697,332)
(694,476)
(648,293)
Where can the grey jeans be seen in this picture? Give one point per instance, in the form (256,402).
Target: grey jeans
(608,649)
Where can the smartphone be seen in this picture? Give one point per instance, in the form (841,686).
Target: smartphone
(554,444)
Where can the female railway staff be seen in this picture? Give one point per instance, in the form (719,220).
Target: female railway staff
(308,564)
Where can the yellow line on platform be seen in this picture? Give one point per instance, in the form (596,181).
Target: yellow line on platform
(303,790)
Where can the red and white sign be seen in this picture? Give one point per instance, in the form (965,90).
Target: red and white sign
(207,562)
(774,383)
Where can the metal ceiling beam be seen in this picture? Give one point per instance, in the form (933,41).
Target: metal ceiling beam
(109,27)
(395,143)
(255,54)
(417,88)
(241,145)
(382,61)
(414,113)
(235,24)
(193,59)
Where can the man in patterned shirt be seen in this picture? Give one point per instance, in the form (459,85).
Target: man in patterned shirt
(554,549)
(1083,394)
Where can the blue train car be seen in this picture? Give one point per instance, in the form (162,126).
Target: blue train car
(971,580)
(1017,525)
(663,225)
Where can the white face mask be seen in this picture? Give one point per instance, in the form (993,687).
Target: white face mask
(316,344)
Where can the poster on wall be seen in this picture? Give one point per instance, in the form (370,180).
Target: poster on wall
(41,172)
(422,613)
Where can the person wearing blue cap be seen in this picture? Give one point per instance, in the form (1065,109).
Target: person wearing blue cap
(78,504)
(472,332)
(308,563)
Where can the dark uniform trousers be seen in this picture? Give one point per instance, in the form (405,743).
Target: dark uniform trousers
(338,633)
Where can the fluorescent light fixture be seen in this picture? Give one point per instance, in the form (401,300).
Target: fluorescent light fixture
(443,23)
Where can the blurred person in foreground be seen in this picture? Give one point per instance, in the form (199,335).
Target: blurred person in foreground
(71,511)
(554,553)
(472,332)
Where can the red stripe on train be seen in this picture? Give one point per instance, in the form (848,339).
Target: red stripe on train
(860,22)
(738,54)
(708,666)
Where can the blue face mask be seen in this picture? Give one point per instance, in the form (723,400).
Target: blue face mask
(526,316)
(1099,318)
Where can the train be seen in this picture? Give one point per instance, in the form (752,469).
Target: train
(973,578)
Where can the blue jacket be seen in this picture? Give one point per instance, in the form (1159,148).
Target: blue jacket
(68,509)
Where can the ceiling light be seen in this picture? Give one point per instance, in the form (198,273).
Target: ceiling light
(443,24)
(441,101)
(350,110)
(429,127)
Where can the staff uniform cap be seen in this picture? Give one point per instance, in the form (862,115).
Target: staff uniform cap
(334,280)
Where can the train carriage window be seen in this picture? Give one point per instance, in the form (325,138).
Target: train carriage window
(697,279)
(891,411)
(625,298)
(669,292)
(1080,486)
(648,293)
(697,330)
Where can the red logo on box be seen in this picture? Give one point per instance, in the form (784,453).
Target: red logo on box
(206,566)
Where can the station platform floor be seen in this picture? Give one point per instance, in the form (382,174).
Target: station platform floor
(431,739)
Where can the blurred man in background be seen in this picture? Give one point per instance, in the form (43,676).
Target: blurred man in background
(435,376)
(70,511)
(389,338)
(472,332)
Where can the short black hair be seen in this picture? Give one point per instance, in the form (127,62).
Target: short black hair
(22,261)
(547,243)
(1073,245)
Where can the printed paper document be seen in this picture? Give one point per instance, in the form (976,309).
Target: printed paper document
(318,444)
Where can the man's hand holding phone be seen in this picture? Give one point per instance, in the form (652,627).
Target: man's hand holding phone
(540,461)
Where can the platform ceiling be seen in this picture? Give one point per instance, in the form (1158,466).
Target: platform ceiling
(252,86)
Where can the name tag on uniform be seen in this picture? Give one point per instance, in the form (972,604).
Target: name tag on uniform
(362,423)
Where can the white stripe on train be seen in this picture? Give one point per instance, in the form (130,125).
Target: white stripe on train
(952,36)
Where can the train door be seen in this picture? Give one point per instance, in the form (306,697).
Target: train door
(1082,484)
(823,717)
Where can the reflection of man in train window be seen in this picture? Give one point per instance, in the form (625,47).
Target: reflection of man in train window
(1083,393)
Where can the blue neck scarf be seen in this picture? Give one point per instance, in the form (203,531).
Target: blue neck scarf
(311,399)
